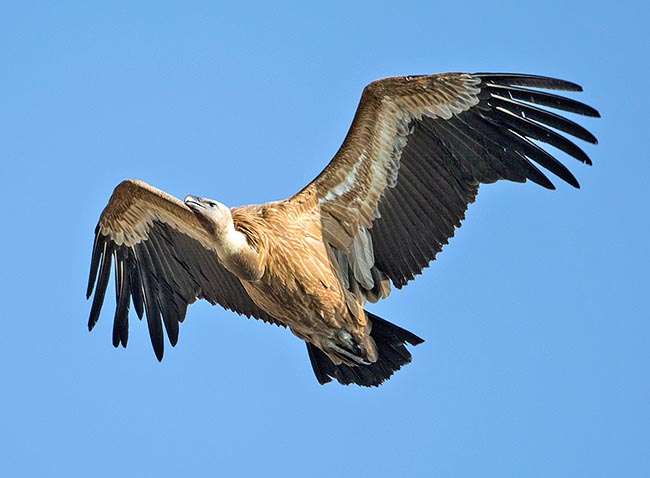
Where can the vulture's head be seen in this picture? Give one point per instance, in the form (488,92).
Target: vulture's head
(210,212)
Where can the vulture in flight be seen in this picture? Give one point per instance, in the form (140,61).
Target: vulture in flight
(416,153)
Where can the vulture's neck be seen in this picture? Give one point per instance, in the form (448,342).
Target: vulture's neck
(236,253)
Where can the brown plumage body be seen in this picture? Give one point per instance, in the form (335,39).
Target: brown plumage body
(413,160)
(301,284)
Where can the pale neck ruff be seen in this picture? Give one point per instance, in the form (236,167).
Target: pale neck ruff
(230,241)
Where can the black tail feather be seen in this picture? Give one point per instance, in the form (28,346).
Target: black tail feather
(391,343)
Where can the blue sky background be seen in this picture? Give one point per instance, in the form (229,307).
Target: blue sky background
(536,319)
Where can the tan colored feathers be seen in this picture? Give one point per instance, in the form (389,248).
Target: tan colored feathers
(378,214)
(135,204)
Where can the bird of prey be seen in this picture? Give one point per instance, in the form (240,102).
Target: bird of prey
(416,153)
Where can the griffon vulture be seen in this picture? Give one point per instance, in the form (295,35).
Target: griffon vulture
(375,217)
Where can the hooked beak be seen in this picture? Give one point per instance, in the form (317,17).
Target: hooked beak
(194,203)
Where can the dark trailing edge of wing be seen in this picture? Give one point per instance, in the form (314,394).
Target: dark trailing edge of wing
(101,262)
(445,160)
(541,98)
(530,81)
(162,275)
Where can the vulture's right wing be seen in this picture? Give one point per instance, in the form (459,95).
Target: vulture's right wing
(164,261)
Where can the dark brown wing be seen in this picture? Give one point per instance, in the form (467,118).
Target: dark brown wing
(163,263)
(416,153)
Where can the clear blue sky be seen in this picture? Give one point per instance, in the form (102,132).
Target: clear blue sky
(536,319)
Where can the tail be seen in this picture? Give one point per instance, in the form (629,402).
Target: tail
(391,343)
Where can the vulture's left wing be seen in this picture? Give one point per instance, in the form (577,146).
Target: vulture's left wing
(164,261)
(415,155)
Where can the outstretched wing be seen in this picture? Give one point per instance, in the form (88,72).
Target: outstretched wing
(415,155)
(163,263)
